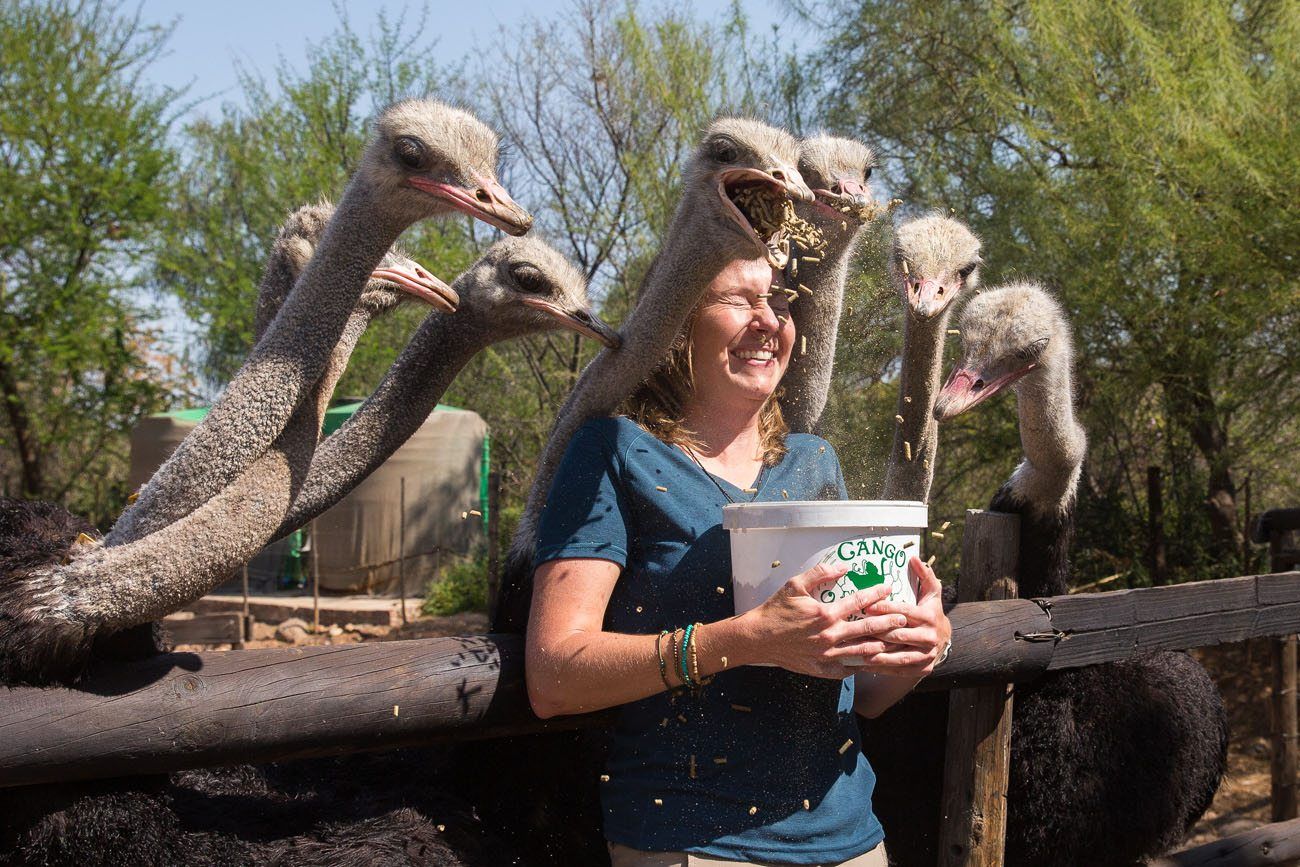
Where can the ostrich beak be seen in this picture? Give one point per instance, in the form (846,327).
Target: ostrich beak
(850,198)
(487,201)
(582,321)
(966,388)
(929,297)
(416,281)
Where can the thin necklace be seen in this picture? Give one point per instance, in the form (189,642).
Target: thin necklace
(730,499)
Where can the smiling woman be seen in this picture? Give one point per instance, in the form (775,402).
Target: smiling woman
(736,738)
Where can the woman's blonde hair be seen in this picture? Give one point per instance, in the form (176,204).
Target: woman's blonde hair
(659,403)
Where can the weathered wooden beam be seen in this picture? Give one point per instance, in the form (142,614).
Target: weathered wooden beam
(185,710)
(1267,845)
(192,710)
(977,759)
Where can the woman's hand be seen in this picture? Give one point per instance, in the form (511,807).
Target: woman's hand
(915,649)
(795,630)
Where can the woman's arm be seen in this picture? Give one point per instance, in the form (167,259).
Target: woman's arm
(574,666)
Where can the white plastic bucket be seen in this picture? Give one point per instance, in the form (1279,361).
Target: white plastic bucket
(773,542)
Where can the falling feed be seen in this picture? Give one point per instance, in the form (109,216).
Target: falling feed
(776,564)
(753,810)
(908,544)
(604,778)
(743,708)
(946,525)
(661,488)
(954,331)
(898,418)
(844,747)
(907,450)
(936,534)
(930,562)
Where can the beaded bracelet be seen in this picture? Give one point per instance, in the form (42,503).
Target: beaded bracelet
(695,660)
(677,650)
(663,666)
(685,654)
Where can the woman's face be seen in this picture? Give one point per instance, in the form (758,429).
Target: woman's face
(743,334)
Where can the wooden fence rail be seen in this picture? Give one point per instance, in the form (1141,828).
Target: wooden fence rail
(186,710)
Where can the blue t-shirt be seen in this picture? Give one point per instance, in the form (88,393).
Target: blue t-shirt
(757,736)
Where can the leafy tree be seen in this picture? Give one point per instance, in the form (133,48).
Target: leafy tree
(296,140)
(1140,159)
(85,174)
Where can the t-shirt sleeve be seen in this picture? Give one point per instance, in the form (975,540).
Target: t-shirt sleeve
(584,515)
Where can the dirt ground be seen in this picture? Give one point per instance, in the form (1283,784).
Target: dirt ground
(1244,677)
(1241,670)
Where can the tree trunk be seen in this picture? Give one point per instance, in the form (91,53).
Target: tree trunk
(29,457)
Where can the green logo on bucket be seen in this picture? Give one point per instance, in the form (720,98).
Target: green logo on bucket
(871,562)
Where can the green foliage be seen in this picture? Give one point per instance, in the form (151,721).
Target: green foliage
(462,587)
(85,175)
(1140,159)
(296,142)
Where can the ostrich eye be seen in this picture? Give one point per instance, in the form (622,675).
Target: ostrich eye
(528,278)
(409,151)
(866,176)
(725,150)
(965,272)
(1032,350)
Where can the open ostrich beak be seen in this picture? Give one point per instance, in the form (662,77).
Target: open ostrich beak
(487,201)
(850,194)
(783,179)
(582,321)
(420,283)
(967,388)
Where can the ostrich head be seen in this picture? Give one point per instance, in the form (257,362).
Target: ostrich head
(1007,334)
(523,286)
(427,158)
(396,279)
(935,257)
(837,170)
(738,156)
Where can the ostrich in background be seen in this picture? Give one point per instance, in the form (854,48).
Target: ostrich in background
(707,231)
(520,286)
(51,613)
(424,160)
(355,809)
(1110,764)
(935,259)
(837,171)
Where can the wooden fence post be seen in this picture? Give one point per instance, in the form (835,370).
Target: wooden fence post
(1278,528)
(977,758)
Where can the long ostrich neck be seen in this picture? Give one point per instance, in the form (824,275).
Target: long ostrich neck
(807,381)
(410,390)
(126,585)
(681,273)
(280,371)
(1054,442)
(918,388)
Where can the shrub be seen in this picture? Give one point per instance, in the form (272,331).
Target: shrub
(463,587)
